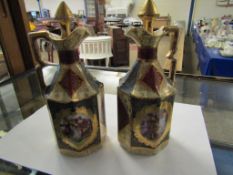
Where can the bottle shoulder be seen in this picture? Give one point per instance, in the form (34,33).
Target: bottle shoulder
(146,79)
(74,83)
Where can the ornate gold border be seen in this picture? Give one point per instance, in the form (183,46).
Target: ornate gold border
(86,141)
(140,116)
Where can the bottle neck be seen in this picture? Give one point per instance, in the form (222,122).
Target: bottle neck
(68,56)
(147,53)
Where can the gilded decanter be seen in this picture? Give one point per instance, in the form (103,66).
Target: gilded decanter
(76,99)
(145,94)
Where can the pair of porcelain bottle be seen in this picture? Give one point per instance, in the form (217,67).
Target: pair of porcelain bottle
(76,99)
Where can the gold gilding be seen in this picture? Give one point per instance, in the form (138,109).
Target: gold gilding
(74,93)
(64,16)
(84,143)
(145,39)
(149,9)
(145,94)
(148,14)
(153,143)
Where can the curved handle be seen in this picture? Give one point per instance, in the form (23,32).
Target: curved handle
(174,32)
(33,36)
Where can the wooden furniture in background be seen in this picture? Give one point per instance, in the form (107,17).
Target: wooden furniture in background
(9,41)
(162,21)
(120,47)
(164,47)
(95,13)
(14,28)
(3,66)
(163,50)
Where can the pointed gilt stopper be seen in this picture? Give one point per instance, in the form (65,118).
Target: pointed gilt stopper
(64,16)
(148,14)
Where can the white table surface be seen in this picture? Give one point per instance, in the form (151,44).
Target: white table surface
(32,144)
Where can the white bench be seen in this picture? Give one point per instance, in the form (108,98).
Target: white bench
(95,48)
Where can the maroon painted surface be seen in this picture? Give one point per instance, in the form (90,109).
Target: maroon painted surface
(153,79)
(147,53)
(68,56)
(71,82)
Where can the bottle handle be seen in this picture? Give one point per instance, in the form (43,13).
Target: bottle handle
(174,32)
(33,36)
